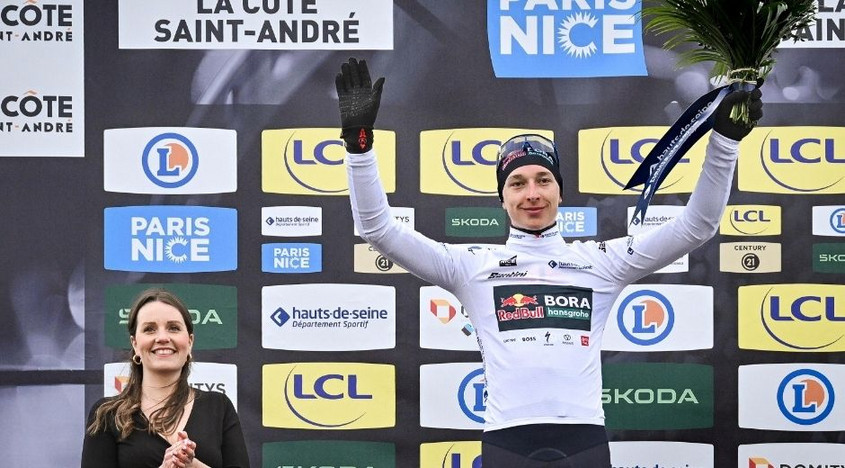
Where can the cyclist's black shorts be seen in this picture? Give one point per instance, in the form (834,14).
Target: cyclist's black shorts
(546,446)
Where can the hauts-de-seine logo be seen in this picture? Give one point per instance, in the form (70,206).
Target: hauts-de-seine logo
(565,39)
(462,161)
(170,160)
(329,395)
(310,161)
(645,317)
(792,317)
(806,397)
(170,239)
(793,160)
(607,157)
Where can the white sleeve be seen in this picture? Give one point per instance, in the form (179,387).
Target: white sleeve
(637,256)
(431,261)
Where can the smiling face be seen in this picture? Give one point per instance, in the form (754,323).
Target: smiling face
(161,338)
(531,196)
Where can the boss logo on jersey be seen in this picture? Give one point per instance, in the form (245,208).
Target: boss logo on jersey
(170,239)
(829,221)
(324,396)
(310,161)
(792,317)
(564,39)
(751,220)
(620,151)
(462,161)
(793,160)
(540,306)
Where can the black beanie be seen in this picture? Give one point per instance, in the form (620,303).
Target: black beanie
(524,150)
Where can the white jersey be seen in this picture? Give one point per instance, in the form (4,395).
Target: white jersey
(539,304)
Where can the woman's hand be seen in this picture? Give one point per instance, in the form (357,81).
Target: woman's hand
(180,454)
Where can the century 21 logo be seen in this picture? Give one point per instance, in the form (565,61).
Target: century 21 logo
(310,161)
(329,396)
(792,317)
(463,161)
(793,160)
(607,157)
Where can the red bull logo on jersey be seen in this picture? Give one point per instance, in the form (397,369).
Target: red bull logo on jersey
(543,306)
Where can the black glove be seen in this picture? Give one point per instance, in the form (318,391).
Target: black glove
(722,121)
(359,99)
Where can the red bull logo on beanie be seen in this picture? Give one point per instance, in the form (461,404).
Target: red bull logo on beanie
(531,39)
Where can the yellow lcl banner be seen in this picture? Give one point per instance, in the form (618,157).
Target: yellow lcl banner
(792,317)
(310,161)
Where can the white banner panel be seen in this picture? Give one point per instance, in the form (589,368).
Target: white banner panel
(792,397)
(829,220)
(657,216)
(291,221)
(207,376)
(42,85)
(256,24)
(170,160)
(452,395)
(790,455)
(444,324)
(400,213)
(328,317)
(660,317)
(661,454)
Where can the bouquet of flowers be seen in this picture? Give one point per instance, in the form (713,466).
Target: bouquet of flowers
(738,36)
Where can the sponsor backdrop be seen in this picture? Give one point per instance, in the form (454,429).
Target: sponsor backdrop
(195,145)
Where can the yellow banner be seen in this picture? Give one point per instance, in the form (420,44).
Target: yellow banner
(792,317)
(751,220)
(329,395)
(310,161)
(793,160)
(462,161)
(464,454)
(608,157)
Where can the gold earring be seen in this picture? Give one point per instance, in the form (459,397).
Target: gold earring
(138,362)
